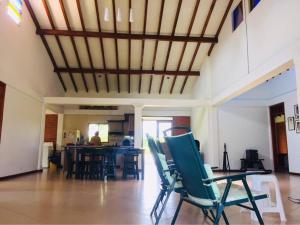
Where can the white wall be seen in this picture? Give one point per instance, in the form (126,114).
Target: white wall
(293,138)
(26,69)
(20,133)
(244,128)
(266,43)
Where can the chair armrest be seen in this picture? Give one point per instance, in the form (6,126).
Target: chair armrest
(234,177)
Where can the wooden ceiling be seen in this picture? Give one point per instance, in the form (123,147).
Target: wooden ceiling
(161,51)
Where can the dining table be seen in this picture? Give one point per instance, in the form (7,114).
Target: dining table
(115,150)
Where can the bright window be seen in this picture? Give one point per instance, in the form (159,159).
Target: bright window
(237,16)
(101,128)
(253,4)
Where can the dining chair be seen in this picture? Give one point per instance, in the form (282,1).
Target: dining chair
(131,163)
(202,189)
(169,183)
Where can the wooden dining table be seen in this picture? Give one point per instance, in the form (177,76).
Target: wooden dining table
(116,150)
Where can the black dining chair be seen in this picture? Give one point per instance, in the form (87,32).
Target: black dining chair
(69,154)
(109,163)
(131,164)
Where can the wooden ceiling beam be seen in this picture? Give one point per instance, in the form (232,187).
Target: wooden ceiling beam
(221,25)
(170,43)
(185,43)
(62,6)
(116,43)
(102,45)
(143,43)
(126,71)
(87,43)
(37,25)
(156,43)
(126,36)
(46,7)
(129,49)
(212,6)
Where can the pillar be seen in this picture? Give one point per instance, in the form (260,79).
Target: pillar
(138,126)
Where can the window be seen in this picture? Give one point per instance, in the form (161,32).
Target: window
(101,128)
(237,16)
(253,4)
(2,95)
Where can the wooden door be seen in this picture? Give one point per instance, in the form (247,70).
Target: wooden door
(51,128)
(279,138)
(2,97)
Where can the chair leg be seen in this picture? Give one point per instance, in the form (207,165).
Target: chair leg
(177,211)
(218,215)
(225,217)
(163,206)
(252,201)
(155,206)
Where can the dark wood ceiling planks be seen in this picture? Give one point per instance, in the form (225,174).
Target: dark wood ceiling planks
(154,64)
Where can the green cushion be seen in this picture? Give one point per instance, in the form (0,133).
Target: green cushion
(214,185)
(163,161)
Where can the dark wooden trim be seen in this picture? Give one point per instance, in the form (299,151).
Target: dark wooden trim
(2,86)
(37,25)
(126,36)
(129,47)
(126,71)
(212,6)
(221,25)
(102,46)
(185,43)
(143,43)
(116,43)
(73,43)
(170,43)
(156,42)
(293,173)
(20,175)
(87,44)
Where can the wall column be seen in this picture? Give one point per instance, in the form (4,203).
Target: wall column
(138,126)
(42,133)
(297,69)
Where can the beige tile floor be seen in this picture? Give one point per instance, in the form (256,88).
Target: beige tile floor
(48,198)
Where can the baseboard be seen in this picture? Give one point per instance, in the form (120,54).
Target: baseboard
(292,173)
(20,174)
(229,171)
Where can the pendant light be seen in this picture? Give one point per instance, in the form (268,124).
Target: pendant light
(119,16)
(131,15)
(106,15)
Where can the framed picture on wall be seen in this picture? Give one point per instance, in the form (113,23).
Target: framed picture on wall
(297,126)
(291,123)
(296,111)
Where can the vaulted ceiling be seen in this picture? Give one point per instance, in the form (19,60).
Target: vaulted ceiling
(161,51)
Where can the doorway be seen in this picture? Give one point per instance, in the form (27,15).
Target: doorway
(155,128)
(279,138)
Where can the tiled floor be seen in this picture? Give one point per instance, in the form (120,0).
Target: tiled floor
(48,198)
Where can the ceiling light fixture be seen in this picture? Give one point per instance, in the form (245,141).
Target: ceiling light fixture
(106,15)
(119,16)
(131,15)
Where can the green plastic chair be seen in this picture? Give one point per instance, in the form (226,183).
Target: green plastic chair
(169,180)
(200,184)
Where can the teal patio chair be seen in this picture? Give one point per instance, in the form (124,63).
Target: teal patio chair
(201,187)
(169,183)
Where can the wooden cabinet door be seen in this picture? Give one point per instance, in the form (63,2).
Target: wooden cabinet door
(181,121)
(51,128)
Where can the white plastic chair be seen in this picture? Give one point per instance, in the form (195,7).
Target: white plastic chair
(262,183)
